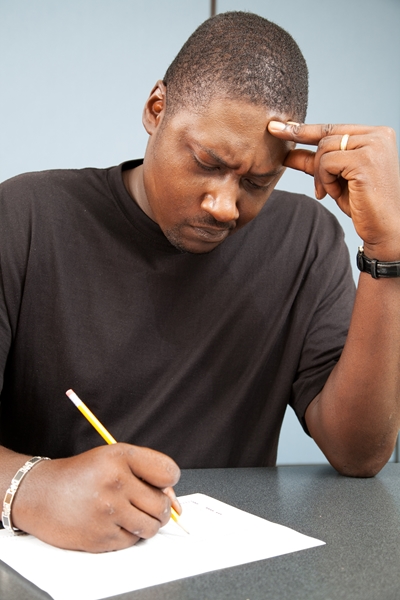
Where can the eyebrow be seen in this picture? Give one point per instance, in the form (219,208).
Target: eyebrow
(228,166)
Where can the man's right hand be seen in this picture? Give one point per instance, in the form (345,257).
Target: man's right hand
(104,499)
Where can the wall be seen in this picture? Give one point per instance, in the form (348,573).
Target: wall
(74,76)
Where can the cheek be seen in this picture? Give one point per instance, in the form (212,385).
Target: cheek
(180,189)
(174,202)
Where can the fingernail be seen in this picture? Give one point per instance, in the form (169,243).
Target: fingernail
(316,193)
(178,504)
(276,125)
(293,123)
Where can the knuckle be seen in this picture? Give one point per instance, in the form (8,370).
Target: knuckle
(363,178)
(142,525)
(115,479)
(323,143)
(168,470)
(309,164)
(151,529)
(118,482)
(388,133)
(107,509)
(297,129)
(369,156)
(121,449)
(323,161)
(154,527)
(327,129)
(165,512)
(174,471)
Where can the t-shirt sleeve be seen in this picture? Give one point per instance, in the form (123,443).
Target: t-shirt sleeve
(5,331)
(327,324)
(14,250)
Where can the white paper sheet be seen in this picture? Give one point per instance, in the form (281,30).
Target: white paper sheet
(220,536)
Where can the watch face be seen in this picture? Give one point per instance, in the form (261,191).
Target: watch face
(360,261)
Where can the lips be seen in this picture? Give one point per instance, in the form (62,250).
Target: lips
(211,234)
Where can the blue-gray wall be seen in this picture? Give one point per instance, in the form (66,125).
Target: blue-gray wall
(74,76)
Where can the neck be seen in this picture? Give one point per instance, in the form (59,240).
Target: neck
(133,181)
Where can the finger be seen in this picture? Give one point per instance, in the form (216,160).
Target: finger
(119,539)
(153,467)
(306,161)
(310,162)
(313,134)
(301,160)
(329,164)
(326,181)
(175,504)
(149,500)
(138,523)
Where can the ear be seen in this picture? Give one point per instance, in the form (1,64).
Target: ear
(154,108)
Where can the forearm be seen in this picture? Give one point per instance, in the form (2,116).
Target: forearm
(356,417)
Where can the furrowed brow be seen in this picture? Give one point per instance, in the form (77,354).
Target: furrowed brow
(222,162)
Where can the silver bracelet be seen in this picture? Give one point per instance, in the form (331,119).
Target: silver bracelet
(12,490)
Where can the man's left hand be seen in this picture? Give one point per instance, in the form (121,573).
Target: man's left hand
(363,179)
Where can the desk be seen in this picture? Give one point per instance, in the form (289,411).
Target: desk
(359,519)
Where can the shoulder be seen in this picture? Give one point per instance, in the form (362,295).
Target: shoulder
(48,181)
(289,206)
(43,193)
(298,218)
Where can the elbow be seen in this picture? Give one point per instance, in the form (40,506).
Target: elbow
(366,469)
(361,466)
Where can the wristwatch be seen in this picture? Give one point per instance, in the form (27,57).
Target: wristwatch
(376,268)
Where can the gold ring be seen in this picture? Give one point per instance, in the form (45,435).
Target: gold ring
(344,141)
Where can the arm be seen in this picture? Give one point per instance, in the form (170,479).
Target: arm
(356,417)
(104,499)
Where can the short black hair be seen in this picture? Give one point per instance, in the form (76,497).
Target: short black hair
(239,55)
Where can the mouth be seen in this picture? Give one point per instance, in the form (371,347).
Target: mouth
(211,234)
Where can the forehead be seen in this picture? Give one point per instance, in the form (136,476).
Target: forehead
(235,130)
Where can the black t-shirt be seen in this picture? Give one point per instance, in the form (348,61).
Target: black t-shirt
(194,355)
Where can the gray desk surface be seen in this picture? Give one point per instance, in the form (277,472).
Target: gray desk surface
(359,519)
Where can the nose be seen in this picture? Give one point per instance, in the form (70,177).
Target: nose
(221,203)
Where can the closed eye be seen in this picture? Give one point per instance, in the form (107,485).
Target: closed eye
(203,166)
(247,182)
(256,186)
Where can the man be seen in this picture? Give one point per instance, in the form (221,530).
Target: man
(188,304)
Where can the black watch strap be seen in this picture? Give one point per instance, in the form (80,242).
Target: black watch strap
(376,268)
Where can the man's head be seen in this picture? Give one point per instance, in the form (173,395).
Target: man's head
(210,163)
(240,56)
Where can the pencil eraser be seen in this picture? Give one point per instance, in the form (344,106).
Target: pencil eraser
(72,396)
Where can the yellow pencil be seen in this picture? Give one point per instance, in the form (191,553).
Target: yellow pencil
(106,435)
